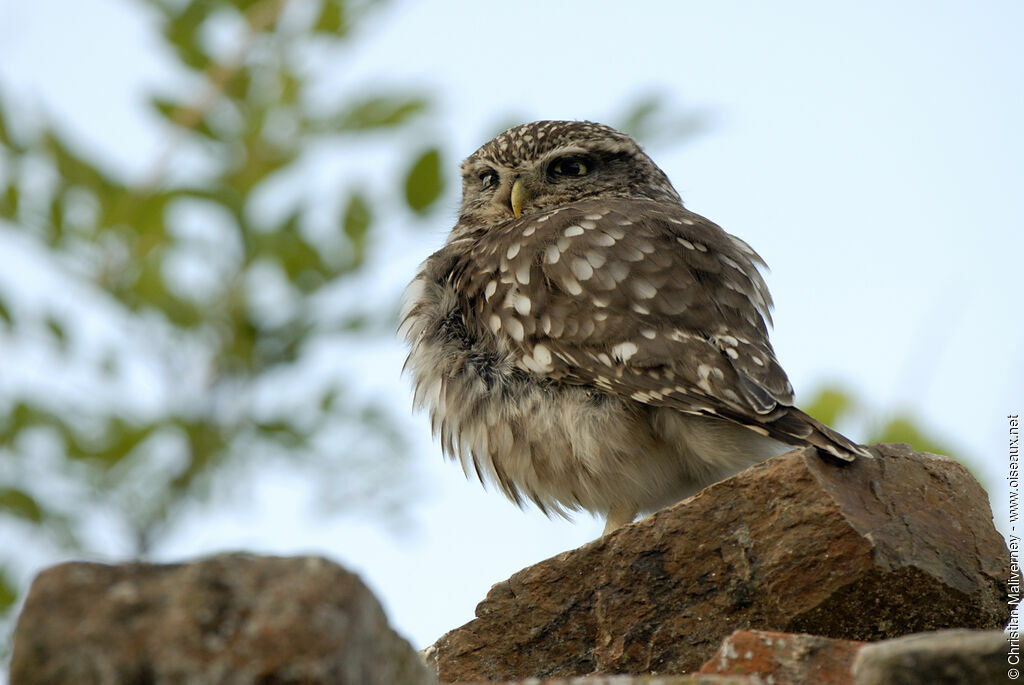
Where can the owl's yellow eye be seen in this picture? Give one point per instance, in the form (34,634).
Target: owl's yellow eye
(570,166)
(488,178)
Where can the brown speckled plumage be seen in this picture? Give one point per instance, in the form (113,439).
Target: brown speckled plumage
(606,349)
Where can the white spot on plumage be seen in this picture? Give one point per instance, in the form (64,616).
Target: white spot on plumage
(733,354)
(603,239)
(648,333)
(604,359)
(596,259)
(644,289)
(600,301)
(630,253)
(582,269)
(685,243)
(530,364)
(588,225)
(551,254)
(624,350)
(639,308)
(494,323)
(573,231)
(523,273)
(595,217)
(490,289)
(571,285)
(543,355)
(512,250)
(757,360)
(618,271)
(701,247)
(515,328)
(521,303)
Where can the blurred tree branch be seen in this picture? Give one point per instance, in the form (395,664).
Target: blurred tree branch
(214,301)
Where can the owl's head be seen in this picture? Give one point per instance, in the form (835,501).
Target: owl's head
(547,164)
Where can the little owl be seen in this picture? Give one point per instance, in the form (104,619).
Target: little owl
(585,341)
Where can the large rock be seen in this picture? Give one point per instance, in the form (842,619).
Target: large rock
(229,620)
(875,549)
(946,657)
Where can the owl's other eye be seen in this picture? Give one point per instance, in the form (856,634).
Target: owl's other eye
(488,178)
(570,166)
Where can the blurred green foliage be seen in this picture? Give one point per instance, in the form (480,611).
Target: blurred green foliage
(836,406)
(252,121)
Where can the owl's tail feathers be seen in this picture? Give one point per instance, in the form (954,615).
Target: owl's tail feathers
(796,424)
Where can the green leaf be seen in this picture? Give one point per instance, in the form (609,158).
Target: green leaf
(184,116)
(637,121)
(356,224)
(20,504)
(72,169)
(9,203)
(329,400)
(8,594)
(903,428)
(650,120)
(333,18)
(424,182)
(182,32)
(379,111)
(56,329)
(5,314)
(6,139)
(830,405)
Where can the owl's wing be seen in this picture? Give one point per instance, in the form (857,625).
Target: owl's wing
(638,298)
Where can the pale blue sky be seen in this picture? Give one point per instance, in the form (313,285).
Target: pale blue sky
(871,152)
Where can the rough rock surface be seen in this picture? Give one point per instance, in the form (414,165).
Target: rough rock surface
(230,620)
(875,549)
(695,679)
(789,659)
(946,657)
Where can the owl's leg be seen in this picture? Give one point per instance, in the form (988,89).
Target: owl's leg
(619,516)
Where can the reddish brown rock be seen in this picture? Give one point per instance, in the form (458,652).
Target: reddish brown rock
(229,620)
(789,659)
(875,549)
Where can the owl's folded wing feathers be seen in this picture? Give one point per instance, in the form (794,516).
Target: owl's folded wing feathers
(644,300)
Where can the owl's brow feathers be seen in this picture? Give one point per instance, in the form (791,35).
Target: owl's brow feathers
(531,141)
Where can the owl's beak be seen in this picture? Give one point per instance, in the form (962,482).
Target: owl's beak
(517,197)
